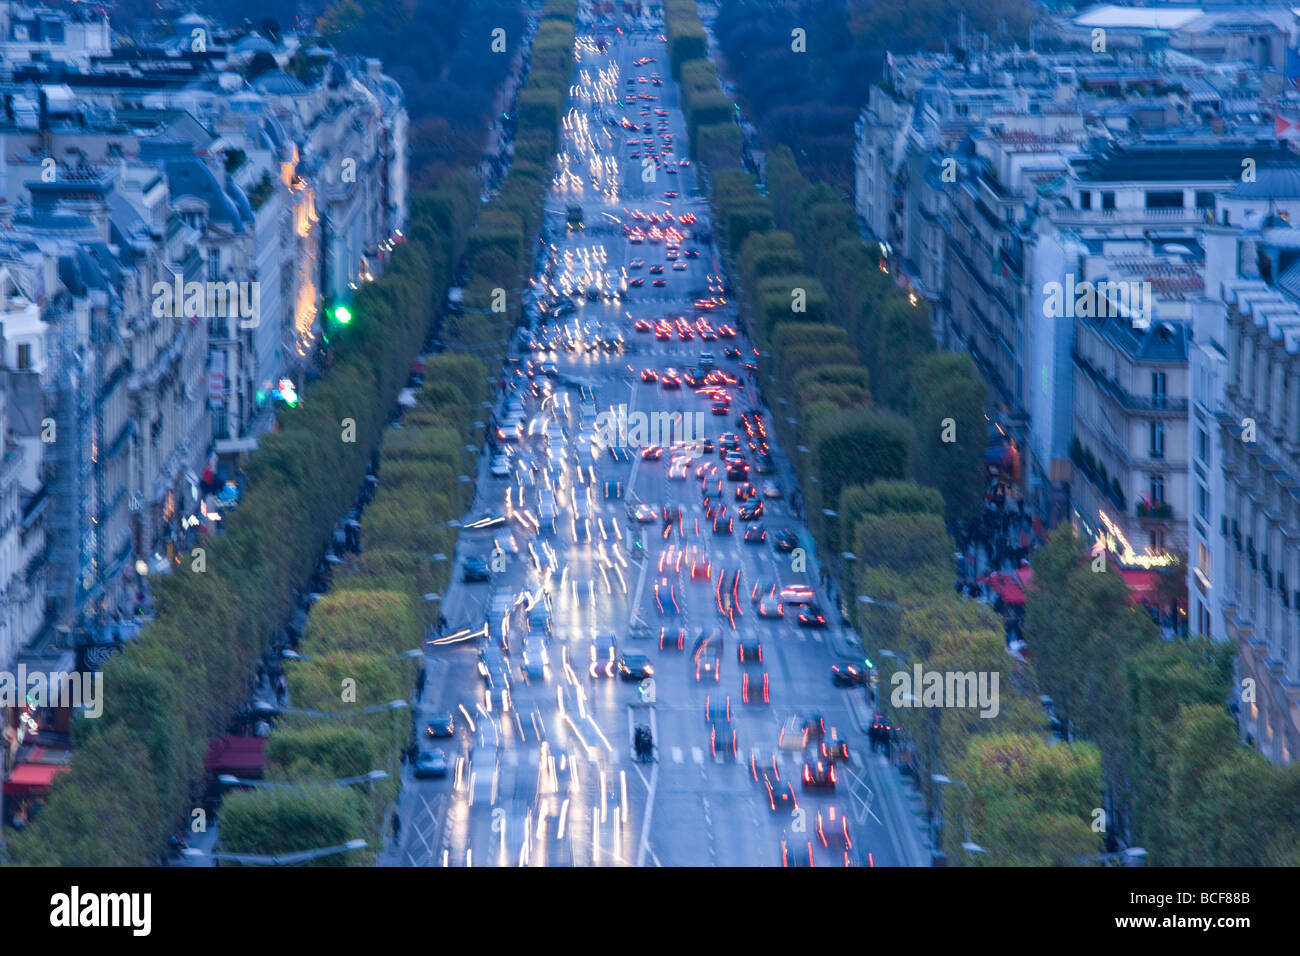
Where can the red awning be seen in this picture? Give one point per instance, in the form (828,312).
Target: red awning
(1007,587)
(240,754)
(32,779)
(1141,582)
(1026,576)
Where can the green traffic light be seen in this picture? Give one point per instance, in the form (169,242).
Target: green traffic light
(342,315)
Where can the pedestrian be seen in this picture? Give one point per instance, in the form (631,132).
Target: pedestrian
(397,826)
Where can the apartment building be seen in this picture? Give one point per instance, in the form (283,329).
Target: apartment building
(126,171)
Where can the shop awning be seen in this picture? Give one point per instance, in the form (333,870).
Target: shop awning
(1026,576)
(236,754)
(32,779)
(1140,581)
(1007,587)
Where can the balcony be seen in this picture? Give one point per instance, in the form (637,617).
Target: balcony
(1159,510)
(1154,404)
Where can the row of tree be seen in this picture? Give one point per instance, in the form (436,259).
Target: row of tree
(859,384)
(358,635)
(502,248)
(1016,792)
(1179,781)
(138,769)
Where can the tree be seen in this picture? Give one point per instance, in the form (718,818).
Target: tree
(274,821)
(1084,627)
(1027,803)
(948,400)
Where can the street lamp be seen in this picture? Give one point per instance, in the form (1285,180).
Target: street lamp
(291,655)
(282,859)
(230,780)
(936,820)
(333,715)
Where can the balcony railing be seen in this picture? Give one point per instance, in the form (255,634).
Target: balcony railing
(1159,510)
(1138,403)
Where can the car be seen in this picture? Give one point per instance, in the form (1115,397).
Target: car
(643,325)
(672,640)
(763,464)
(797,594)
(707,447)
(723,741)
(770,490)
(780,794)
(756,687)
(850,675)
(657,270)
(786,540)
(791,736)
(745,491)
(738,471)
(723,523)
(701,569)
(659,283)
(731,353)
(666,598)
(603,656)
(834,750)
(500,468)
(642,513)
(536,664)
(796,853)
(752,512)
(652,453)
(636,264)
(833,829)
(539,619)
(636,283)
(679,267)
(716,709)
(810,615)
(814,727)
(707,656)
(755,534)
(670,380)
(819,776)
(476,569)
(649,375)
(633,665)
(770,606)
(430,763)
(749,650)
(440,726)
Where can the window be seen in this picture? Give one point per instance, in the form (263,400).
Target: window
(1158,382)
(1203,445)
(1203,559)
(1204,199)
(24,355)
(1108,200)
(1164,199)
(214,266)
(1202,501)
(1156,488)
(1157,434)
(1085,200)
